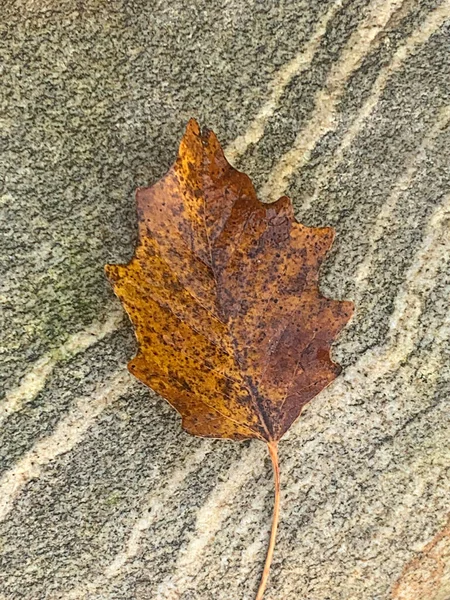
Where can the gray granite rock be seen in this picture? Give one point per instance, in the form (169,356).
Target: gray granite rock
(345,107)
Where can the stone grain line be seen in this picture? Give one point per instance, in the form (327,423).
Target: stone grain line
(434,21)
(67,434)
(35,379)
(404,330)
(418,285)
(402,184)
(300,63)
(210,517)
(154,510)
(362,383)
(324,118)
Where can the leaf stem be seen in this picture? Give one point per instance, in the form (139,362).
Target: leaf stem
(273,451)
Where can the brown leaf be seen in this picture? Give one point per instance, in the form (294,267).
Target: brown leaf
(223,294)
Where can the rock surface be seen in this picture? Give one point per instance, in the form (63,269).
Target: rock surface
(342,105)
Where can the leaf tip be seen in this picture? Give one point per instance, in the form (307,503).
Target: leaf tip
(193,127)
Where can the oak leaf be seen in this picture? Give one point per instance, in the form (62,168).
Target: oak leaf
(223,294)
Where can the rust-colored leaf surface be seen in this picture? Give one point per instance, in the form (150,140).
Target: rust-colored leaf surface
(223,295)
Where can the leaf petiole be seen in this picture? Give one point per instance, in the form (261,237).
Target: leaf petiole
(273,451)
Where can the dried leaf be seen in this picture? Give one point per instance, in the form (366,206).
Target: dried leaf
(223,294)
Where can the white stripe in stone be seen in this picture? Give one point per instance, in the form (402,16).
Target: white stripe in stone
(68,433)
(323,120)
(419,283)
(403,183)
(420,36)
(156,507)
(210,517)
(404,324)
(301,62)
(154,510)
(34,381)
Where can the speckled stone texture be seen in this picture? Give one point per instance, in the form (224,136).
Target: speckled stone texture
(344,106)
